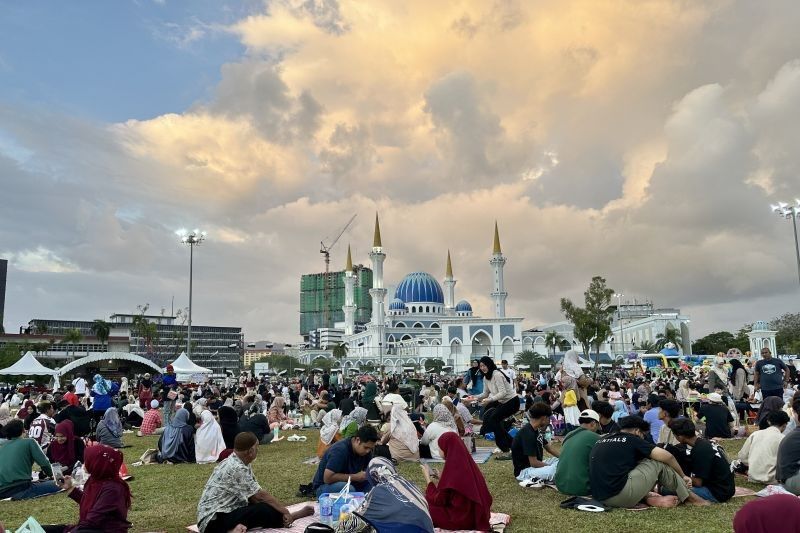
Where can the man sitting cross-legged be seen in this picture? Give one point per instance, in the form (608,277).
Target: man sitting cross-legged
(234,501)
(572,473)
(347,459)
(527,449)
(624,468)
(712,478)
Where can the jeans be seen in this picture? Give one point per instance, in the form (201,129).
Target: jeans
(333,488)
(704,493)
(545,473)
(41,488)
(774,392)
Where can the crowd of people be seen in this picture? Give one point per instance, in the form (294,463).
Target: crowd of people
(613,439)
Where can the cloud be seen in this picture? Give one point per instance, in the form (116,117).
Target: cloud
(641,144)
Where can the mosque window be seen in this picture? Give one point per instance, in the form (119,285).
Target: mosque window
(418,325)
(427,308)
(435,325)
(400,325)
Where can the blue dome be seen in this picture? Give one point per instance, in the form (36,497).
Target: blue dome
(463,306)
(419,287)
(397,305)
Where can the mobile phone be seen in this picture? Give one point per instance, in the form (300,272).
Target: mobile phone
(58,473)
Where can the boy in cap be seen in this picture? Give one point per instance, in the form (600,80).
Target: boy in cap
(572,473)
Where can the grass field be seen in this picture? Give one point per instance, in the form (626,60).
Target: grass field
(165,496)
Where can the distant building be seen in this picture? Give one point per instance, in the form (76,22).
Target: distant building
(322,298)
(3,276)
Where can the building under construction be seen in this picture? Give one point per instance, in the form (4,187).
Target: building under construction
(322,298)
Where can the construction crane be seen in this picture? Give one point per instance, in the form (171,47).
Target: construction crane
(326,251)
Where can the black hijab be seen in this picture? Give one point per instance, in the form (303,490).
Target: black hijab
(735,365)
(489,362)
(229,423)
(474,371)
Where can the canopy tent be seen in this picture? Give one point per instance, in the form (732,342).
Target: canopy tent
(186,370)
(100,357)
(28,365)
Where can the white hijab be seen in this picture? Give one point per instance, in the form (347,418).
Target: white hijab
(330,426)
(402,428)
(570,366)
(208,442)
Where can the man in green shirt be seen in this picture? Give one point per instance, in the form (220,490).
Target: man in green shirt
(17,456)
(572,473)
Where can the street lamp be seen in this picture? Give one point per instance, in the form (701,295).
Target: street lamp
(619,296)
(785,210)
(192,238)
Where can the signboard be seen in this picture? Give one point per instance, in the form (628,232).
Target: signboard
(260,368)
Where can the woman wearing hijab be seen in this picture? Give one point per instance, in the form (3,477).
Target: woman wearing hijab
(718,377)
(276,416)
(27,414)
(448,403)
(779,512)
(620,410)
(229,424)
(368,400)
(208,442)
(461,500)
(443,422)
(499,400)
(109,429)
(105,498)
(393,504)
(101,392)
(401,437)
(350,423)
(770,403)
(329,432)
(474,379)
(145,391)
(65,448)
(5,414)
(175,444)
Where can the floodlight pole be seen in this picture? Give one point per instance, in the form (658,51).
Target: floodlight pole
(192,239)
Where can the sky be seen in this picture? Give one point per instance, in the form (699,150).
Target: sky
(641,141)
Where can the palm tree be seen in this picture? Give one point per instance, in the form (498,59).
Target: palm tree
(553,340)
(434,365)
(671,334)
(73,337)
(340,352)
(647,347)
(530,359)
(101,330)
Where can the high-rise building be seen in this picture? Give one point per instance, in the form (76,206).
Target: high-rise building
(322,297)
(3,274)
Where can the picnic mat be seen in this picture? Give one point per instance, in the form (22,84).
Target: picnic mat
(498,521)
(481,455)
(299,526)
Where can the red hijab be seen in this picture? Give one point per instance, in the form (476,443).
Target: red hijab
(64,453)
(780,512)
(102,463)
(23,413)
(461,474)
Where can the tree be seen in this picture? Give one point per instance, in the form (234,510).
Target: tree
(73,337)
(368,367)
(553,340)
(531,359)
(721,341)
(101,330)
(647,347)
(434,366)
(592,324)
(340,352)
(322,362)
(671,334)
(787,338)
(41,328)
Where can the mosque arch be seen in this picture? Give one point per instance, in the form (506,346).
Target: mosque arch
(481,343)
(406,337)
(418,325)
(508,346)
(434,325)
(400,325)
(390,338)
(436,342)
(527,343)
(455,347)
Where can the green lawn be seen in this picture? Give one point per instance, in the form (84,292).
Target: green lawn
(165,496)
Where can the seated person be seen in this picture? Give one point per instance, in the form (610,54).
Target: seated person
(320,406)
(719,419)
(712,478)
(769,405)
(105,498)
(329,432)
(109,429)
(572,471)
(66,449)
(393,397)
(527,448)
(760,451)
(17,455)
(460,424)
(606,413)
(788,470)
(277,415)
(651,416)
(42,427)
(624,468)
(443,422)
(351,423)
(401,436)
(393,504)
(347,459)
(133,414)
(151,423)
(779,512)
(259,426)
(81,420)
(176,444)
(229,424)
(461,499)
(232,499)
(208,441)
(670,410)
(346,404)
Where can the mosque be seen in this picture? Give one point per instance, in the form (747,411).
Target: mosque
(423,321)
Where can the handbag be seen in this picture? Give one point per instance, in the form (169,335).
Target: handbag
(171,395)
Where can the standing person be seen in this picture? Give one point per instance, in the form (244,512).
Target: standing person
(105,499)
(624,468)
(101,396)
(169,394)
(771,375)
(474,378)
(80,386)
(145,391)
(233,500)
(508,371)
(17,456)
(499,400)
(461,499)
(527,448)
(572,472)
(712,478)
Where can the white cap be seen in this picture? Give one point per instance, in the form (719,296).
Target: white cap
(153,404)
(589,413)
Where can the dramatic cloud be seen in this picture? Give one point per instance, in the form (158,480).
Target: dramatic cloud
(641,142)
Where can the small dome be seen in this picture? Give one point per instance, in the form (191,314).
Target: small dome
(463,306)
(397,305)
(419,287)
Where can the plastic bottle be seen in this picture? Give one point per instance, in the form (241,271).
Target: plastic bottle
(548,435)
(325,510)
(77,474)
(345,512)
(275,433)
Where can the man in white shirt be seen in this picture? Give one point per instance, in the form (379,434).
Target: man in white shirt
(80,386)
(508,371)
(393,398)
(760,450)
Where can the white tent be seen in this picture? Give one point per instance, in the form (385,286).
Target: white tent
(28,366)
(186,370)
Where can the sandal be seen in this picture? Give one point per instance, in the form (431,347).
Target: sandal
(293,438)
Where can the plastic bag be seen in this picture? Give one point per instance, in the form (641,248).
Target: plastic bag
(30,526)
